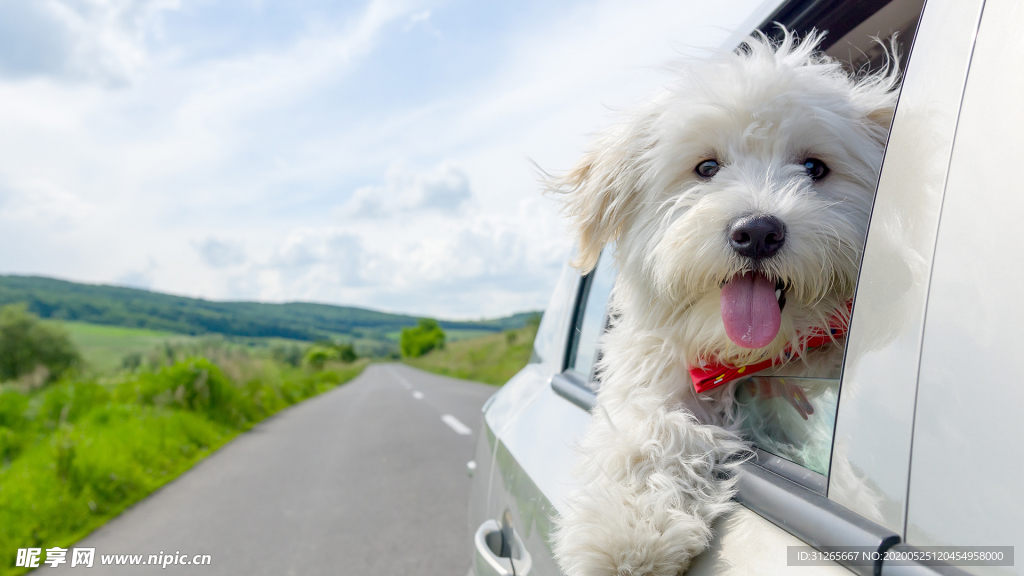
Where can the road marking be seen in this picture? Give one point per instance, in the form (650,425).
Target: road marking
(401,380)
(417,395)
(454,424)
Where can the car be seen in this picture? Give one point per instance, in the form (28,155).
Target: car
(926,446)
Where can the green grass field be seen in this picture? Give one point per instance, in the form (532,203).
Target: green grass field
(454,335)
(104,347)
(492,359)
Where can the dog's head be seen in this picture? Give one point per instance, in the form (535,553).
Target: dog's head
(739,198)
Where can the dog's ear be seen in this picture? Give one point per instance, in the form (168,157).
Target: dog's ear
(876,93)
(876,113)
(601,190)
(880,112)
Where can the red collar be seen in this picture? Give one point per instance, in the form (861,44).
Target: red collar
(712,375)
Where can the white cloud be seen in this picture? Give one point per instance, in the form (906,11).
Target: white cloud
(138,277)
(40,201)
(220,253)
(328,255)
(102,40)
(422,20)
(444,189)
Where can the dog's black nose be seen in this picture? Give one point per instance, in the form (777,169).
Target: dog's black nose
(757,236)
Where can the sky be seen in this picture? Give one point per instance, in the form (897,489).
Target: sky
(376,154)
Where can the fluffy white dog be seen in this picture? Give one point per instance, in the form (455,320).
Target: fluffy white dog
(738,201)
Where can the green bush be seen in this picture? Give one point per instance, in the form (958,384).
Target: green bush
(12,409)
(346,353)
(426,336)
(196,385)
(290,354)
(322,352)
(317,356)
(26,344)
(68,401)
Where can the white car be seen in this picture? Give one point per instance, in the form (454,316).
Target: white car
(928,431)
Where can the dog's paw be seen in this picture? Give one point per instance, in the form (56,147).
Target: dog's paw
(624,545)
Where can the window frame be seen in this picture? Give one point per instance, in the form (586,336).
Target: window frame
(576,321)
(569,383)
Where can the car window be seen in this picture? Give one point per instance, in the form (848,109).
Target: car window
(794,418)
(549,343)
(591,317)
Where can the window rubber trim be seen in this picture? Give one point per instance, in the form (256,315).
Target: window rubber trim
(792,471)
(836,19)
(774,491)
(577,318)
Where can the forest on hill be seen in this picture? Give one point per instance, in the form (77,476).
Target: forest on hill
(135,308)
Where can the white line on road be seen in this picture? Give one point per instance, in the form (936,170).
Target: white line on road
(398,376)
(417,395)
(454,424)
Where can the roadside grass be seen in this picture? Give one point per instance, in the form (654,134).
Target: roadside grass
(492,359)
(76,453)
(456,335)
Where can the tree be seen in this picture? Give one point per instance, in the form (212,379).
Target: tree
(322,352)
(26,343)
(426,336)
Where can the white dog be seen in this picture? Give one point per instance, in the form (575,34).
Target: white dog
(738,201)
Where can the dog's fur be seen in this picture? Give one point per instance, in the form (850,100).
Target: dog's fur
(653,468)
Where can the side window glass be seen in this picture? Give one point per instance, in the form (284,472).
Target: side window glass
(549,344)
(591,317)
(793,418)
(789,411)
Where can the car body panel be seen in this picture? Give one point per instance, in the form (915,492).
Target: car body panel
(968,429)
(874,424)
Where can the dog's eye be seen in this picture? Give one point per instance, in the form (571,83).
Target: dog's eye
(707,168)
(816,169)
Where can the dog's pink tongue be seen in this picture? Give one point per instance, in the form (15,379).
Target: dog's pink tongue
(750,310)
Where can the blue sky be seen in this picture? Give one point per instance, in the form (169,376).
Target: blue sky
(371,154)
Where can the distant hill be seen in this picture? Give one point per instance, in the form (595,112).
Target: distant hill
(118,306)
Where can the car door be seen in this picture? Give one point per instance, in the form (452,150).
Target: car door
(966,460)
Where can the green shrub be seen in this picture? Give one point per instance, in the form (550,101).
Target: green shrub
(26,344)
(13,424)
(322,352)
(346,353)
(196,385)
(13,405)
(426,336)
(319,355)
(68,401)
(290,354)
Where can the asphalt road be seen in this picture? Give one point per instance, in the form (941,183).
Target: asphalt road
(366,479)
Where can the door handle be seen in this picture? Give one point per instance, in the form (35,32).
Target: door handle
(496,555)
